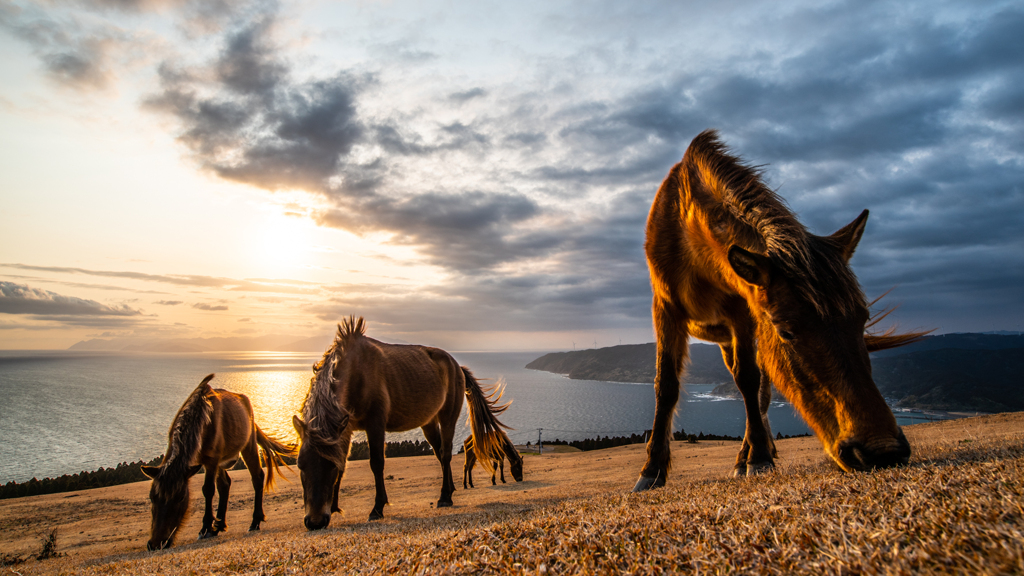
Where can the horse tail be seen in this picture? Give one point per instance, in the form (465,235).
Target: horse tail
(483,411)
(273,451)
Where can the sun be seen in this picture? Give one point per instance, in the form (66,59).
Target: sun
(281,244)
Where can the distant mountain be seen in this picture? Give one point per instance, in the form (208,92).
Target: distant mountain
(955,372)
(632,363)
(954,379)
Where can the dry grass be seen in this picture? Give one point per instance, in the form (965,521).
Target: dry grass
(957,508)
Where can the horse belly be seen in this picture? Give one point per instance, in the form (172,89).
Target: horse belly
(413,414)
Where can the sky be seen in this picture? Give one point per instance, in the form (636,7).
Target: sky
(477,175)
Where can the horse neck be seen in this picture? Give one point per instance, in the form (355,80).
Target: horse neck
(187,431)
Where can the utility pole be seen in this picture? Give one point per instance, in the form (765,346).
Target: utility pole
(540,445)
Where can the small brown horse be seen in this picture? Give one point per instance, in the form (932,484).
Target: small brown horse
(507,450)
(363,384)
(730,264)
(210,430)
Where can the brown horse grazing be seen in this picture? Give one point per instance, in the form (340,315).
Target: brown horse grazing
(210,430)
(730,264)
(507,450)
(363,384)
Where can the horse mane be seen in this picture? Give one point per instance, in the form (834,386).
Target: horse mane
(186,434)
(742,210)
(321,411)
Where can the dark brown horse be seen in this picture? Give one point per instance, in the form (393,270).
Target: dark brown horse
(507,450)
(363,384)
(209,431)
(731,264)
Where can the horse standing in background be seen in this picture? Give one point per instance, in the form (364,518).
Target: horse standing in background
(363,384)
(730,264)
(507,450)
(209,431)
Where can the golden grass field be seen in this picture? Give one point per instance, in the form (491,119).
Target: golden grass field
(956,508)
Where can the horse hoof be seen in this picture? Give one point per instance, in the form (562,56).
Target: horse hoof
(254,528)
(444,503)
(207,534)
(646,483)
(374,515)
(753,469)
(739,471)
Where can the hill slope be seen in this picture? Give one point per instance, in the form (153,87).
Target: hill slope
(954,509)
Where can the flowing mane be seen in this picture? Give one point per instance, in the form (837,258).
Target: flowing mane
(747,213)
(320,410)
(186,434)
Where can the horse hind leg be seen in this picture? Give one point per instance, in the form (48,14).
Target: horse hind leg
(251,457)
(434,436)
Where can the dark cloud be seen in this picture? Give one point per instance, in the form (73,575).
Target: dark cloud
(252,123)
(22,299)
(168,302)
(210,307)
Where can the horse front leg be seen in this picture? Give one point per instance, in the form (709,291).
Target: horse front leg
(757,451)
(223,489)
(671,332)
(209,489)
(375,441)
(501,468)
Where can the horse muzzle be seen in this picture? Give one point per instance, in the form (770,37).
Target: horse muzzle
(853,454)
(320,524)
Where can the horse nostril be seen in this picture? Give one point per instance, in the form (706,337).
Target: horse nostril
(310,525)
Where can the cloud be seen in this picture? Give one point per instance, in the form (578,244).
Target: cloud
(193,280)
(168,302)
(528,185)
(210,307)
(22,299)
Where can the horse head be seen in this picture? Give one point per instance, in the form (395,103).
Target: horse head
(321,463)
(168,496)
(810,327)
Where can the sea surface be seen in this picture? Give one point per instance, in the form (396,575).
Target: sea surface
(64,412)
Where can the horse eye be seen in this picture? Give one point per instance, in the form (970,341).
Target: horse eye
(786,335)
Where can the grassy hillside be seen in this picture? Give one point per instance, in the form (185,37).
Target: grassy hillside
(955,509)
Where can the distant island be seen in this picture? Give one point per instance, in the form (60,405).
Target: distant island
(951,372)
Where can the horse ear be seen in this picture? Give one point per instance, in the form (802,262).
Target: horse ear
(151,471)
(192,471)
(849,236)
(300,426)
(751,267)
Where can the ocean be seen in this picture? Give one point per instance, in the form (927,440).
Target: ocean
(64,412)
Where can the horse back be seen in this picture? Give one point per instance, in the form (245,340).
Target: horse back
(230,428)
(407,384)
